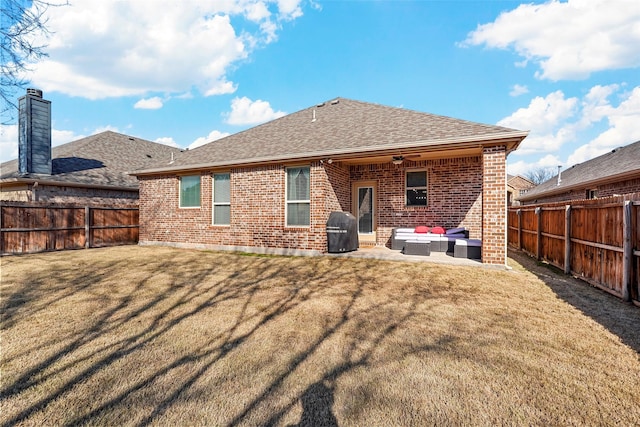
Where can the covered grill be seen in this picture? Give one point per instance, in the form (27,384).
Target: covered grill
(342,232)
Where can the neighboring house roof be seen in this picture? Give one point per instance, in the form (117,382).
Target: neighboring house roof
(519,182)
(617,165)
(104,160)
(341,127)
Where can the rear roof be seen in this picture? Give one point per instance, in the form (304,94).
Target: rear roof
(333,127)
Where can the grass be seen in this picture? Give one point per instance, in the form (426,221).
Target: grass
(162,336)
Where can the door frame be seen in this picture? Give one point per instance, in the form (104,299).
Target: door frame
(355,185)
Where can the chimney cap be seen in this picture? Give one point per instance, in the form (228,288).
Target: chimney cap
(34,92)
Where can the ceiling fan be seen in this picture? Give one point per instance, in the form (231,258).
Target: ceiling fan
(397,160)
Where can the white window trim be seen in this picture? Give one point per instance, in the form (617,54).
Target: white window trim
(213,199)
(287,201)
(180,193)
(406,187)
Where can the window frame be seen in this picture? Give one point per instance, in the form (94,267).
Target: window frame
(180,201)
(407,188)
(214,203)
(288,202)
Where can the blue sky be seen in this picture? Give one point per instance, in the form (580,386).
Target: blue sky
(184,73)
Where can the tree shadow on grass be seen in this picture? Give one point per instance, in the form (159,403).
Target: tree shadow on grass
(617,316)
(202,283)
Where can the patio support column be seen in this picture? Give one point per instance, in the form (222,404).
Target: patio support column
(494,205)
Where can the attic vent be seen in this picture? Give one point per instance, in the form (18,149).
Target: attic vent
(322,104)
(34,92)
(335,101)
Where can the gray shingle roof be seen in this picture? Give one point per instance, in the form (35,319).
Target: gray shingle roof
(619,162)
(105,159)
(340,126)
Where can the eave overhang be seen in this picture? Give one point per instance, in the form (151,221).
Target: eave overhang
(12,182)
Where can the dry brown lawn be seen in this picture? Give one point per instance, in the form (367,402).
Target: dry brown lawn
(161,336)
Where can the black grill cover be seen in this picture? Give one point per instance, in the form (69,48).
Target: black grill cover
(342,232)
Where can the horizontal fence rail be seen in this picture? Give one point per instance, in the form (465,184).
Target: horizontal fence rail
(29,227)
(595,240)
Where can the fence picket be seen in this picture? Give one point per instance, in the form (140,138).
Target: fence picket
(32,227)
(596,240)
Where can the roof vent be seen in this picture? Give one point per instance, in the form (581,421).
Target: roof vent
(322,104)
(335,101)
(34,92)
(559,175)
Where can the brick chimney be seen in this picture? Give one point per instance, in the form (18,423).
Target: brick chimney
(34,137)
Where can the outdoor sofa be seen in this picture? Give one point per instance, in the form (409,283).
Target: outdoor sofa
(440,242)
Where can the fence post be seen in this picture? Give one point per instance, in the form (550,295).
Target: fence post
(519,212)
(1,232)
(627,251)
(567,239)
(87,227)
(539,234)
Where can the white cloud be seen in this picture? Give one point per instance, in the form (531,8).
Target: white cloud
(213,135)
(518,90)
(557,122)
(247,112)
(567,40)
(623,129)
(289,9)
(9,140)
(149,103)
(167,140)
(118,48)
(8,143)
(547,120)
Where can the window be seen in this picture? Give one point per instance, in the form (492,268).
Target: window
(222,199)
(592,194)
(190,191)
(298,197)
(416,186)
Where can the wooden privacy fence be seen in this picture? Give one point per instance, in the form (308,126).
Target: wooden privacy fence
(596,240)
(28,228)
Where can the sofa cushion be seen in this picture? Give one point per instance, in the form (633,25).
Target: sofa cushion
(459,230)
(438,230)
(421,229)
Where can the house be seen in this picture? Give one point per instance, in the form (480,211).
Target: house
(90,170)
(272,187)
(614,173)
(517,185)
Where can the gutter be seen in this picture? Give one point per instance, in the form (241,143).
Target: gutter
(7,182)
(515,137)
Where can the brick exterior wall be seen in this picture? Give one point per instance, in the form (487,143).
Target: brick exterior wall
(494,209)
(628,186)
(257,210)
(455,191)
(73,195)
